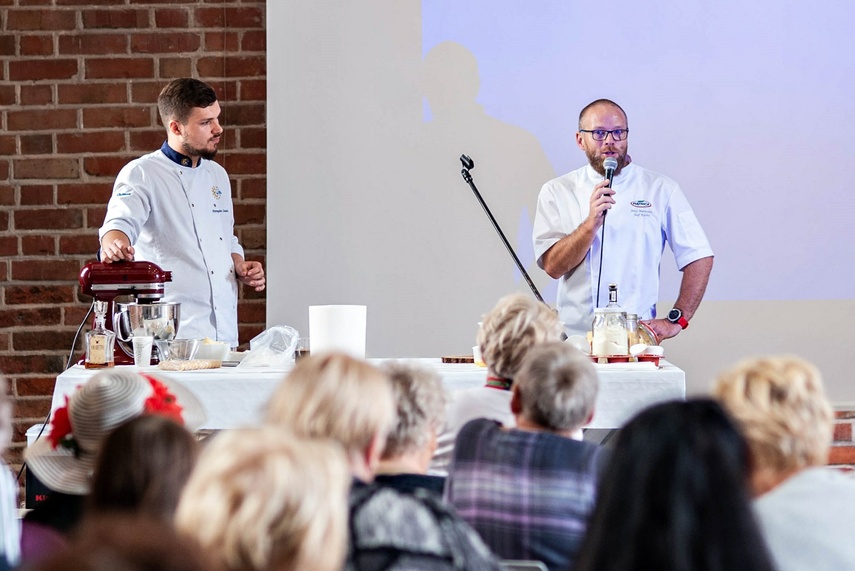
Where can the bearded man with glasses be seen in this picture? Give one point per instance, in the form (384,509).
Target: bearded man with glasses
(574,243)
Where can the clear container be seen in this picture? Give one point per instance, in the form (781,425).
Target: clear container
(100,341)
(610,336)
(632,328)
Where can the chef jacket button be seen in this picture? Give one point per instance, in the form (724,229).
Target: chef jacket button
(212,272)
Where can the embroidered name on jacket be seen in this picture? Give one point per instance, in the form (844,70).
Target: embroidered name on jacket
(641,208)
(218,194)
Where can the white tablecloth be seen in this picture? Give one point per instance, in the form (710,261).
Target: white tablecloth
(237,397)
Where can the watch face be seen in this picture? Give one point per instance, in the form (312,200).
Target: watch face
(674,315)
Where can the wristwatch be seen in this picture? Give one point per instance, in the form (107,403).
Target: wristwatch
(676,316)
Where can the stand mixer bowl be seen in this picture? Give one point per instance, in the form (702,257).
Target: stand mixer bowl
(158,320)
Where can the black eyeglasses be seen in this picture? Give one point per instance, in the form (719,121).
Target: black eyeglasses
(601,134)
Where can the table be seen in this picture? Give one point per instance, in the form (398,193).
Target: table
(236,397)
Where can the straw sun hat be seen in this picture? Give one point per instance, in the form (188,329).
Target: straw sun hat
(64,458)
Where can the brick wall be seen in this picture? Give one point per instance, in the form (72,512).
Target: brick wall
(78,85)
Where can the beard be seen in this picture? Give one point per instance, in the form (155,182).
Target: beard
(194,152)
(596,161)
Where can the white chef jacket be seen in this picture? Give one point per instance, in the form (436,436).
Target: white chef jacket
(182,219)
(650,210)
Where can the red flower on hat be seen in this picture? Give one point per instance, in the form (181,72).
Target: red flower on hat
(163,402)
(60,426)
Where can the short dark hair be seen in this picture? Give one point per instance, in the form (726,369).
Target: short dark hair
(592,104)
(675,496)
(180,96)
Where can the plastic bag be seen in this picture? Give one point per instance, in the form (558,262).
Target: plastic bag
(273,347)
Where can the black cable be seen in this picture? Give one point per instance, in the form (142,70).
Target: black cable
(602,241)
(67,366)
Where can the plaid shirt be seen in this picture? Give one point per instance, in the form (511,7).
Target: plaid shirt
(528,494)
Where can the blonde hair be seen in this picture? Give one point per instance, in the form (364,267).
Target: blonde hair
(511,328)
(335,396)
(421,402)
(263,499)
(557,386)
(780,404)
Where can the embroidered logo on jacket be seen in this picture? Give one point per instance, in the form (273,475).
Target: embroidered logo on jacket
(215,190)
(640,204)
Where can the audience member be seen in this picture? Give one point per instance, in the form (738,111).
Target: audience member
(805,508)
(350,401)
(262,499)
(128,543)
(10,532)
(675,496)
(142,468)
(515,325)
(421,402)
(528,491)
(64,459)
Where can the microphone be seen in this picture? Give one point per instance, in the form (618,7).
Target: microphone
(610,166)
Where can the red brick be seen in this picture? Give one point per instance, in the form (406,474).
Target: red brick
(45,271)
(251,312)
(90,142)
(42,69)
(7,45)
(97,93)
(838,454)
(46,168)
(8,145)
(4,220)
(243,114)
(38,294)
(42,119)
(8,246)
(843,432)
(232,66)
(38,246)
(253,188)
(36,144)
(100,44)
(176,67)
(40,20)
(222,41)
(4,170)
(5,340)
(254,41)
(79,244)
(85,193)
(250,213)
(36,407)
(36,195)
(147,141)
(171,42)
(7,195)
(49,219)
(95,216)
(32,95)
(7,95)
(35,386)
(73,315)
(3,272)
(104,166)
(245,163)
(46,340)
(248,17)
(109,68)
(253,138)
(171,18)
(23,317)
(253,90)
(116,117)
(247,332)
(114,19)
(844,414)
(146,91)
(36,45)
(253,238)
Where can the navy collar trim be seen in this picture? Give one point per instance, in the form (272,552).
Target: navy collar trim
(177,157)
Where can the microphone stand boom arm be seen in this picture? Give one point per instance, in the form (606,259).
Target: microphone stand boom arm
(467,176)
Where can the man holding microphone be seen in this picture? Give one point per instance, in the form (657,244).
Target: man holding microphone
(645,210)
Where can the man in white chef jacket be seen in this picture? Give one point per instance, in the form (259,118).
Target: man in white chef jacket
(646,211)
(173,207)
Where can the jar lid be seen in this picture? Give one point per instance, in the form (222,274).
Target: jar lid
(608,310)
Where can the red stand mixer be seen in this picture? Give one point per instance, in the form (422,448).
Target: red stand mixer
(133,291)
